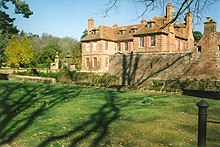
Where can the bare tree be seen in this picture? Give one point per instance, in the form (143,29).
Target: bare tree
(196,7)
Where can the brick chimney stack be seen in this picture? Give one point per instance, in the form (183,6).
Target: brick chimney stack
(91,24)
(209,26)
(169,12)
(189,30)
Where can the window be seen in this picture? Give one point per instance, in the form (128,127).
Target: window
(181,45)
(151,65)
(219,47)
(94,61)
(177,44)
(141,41)
(94,46)
(93,32)
(87,62)
(133,30)
(106,61)
(87,47)
(118,46)
(152,40)
(199,49)
(126,46)
(106,45)
(121,32)
(150,24)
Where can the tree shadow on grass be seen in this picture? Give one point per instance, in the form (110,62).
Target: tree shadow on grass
(98,123)
(19,99)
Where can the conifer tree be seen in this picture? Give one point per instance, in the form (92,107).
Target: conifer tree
(12,52)
(26,51)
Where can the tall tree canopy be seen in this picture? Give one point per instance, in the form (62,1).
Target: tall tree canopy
(12,52)
(6,23)
(7,27)
(18,54)
(26,53)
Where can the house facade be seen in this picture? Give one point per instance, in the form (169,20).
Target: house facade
(210,42)
(156,35)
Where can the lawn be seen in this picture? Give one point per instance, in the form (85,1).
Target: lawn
(45,115)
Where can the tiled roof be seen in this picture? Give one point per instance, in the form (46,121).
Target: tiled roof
(218,34)
(113,33)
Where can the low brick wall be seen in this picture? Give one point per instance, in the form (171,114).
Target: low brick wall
(31,79)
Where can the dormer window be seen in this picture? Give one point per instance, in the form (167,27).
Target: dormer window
(150,24)
(121,31)
(133,30)
(94,31)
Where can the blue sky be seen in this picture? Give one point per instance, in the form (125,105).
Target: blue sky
(69,17)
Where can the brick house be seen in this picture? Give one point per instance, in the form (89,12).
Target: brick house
(208,52)
(158,34)
(210,42)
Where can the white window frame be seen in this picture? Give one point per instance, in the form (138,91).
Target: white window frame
(118,46)
(106,45)
(87,47)
(94,46)
(181,45)
(86,65)
(141,41)
(106,61)
(152,39)
(93,62)
(126,45)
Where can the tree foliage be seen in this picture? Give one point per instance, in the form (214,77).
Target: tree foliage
(77,55)
(18,54)
(197,36)
(6,23)
(7,28)
(47,55)
(26,52)
(12,52)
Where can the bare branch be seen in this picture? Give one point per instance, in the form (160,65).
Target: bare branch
(196,7)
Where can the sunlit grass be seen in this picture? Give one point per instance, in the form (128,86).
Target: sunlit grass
(44,115)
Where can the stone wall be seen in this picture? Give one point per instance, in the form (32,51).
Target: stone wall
(16,70)
(141,69)
(31,79)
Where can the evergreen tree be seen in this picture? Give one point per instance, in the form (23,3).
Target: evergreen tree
(12,52)
(197,36)
(26,53)
(77,55)
(3,43)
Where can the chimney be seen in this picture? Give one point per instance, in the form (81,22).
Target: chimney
(189,22)
(90,24)
(143,21)
(115,25)
(209,26)
(169,12)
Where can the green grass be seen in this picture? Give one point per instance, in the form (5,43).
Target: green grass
(45,115)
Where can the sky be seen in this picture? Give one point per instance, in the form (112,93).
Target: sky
(68,18)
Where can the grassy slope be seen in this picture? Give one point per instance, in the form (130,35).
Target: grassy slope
(44,115)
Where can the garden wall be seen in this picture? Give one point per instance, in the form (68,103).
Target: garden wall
(139,69)
(31,79)
(189,70)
